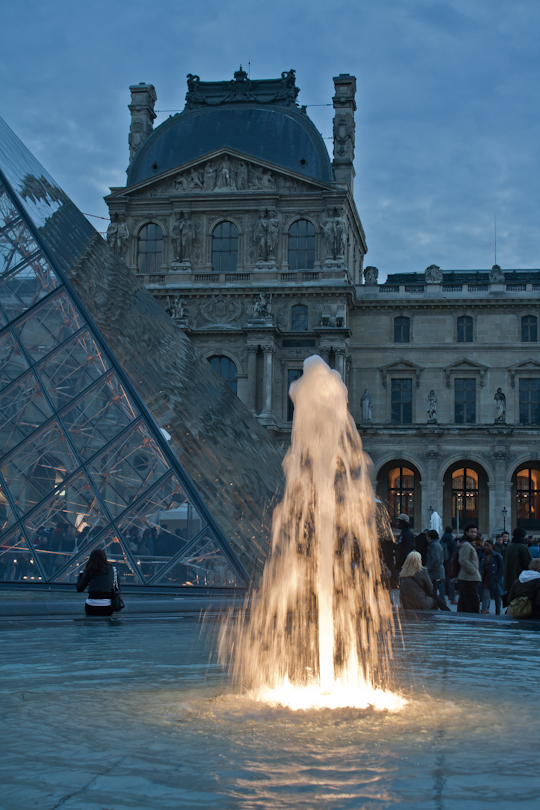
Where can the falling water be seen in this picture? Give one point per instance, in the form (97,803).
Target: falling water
(318,631)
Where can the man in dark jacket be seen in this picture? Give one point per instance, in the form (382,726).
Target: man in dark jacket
(491,566)
(469,572)
(516,559)
(421,544)
(405,542)
(449,546)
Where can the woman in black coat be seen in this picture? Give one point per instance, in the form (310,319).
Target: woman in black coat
(98,576)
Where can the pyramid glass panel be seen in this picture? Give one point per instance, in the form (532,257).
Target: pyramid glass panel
(71,369)
(22,410)
(126,568)
(17,563)
(159,526)
(12,360)
(83,464)
(204,565)
(25,286)
(65,524)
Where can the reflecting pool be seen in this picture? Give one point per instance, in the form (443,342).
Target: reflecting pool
(138,714)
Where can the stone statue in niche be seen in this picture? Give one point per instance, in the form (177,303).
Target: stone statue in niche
(272,235)
(334,230)
(182,237)
(500,406)
(496,275)
(266,234)
(432,406)
(118,234)
(262,306)
(433,274)
(209,177)
(366,406)
(371,276)
(176,308)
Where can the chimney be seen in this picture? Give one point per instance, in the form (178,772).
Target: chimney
(344,107)
(143,98)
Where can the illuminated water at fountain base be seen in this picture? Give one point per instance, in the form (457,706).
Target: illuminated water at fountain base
(338,696)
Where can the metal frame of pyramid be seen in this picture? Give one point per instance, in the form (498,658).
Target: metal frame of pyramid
(78,446)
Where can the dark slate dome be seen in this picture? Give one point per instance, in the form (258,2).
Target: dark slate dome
(241,119)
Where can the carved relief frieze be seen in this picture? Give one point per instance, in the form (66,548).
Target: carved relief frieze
(219,310)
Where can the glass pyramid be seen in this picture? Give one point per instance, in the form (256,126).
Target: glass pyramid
(83,464)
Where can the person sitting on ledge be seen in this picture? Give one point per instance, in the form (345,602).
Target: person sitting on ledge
(415,587)
(528,584)
(99,577)
(517,558)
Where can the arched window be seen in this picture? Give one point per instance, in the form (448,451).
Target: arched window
(150,249)
(226,369)
(528,498)
(529,329)
(402,329)
(401,493)
(225,248)
(301,245)
(464,497)
(464,329)
(299,318)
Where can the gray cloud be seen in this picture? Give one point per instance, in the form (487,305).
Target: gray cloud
(448,117)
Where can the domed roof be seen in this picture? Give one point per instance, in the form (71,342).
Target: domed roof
(243,120)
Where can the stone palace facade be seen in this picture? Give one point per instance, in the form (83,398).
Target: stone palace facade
(236,220)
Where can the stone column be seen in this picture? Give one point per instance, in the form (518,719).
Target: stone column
(268,352)
(499,494)
(143,99)
(344,108)
(340,356)
(431,492)
(252,377)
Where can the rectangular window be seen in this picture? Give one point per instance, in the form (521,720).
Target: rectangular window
(292,375)
(465,402)
(529,329)
(529,402)
(402,330)
(402,402)
(465,329)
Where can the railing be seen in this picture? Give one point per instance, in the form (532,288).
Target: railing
(452,288)
(414,289)
(388,289)
(288,277)
(310,276)
(478,288)
(156,279)
(536,287)
(210,277)
(239,277)
(516,287)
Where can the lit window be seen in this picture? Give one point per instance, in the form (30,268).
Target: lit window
(402,330)
(529,402)
(226,369)
(301,245)
(225,248)
(402,402)
(529,329)
(150,249)
(465,402)
(299,319)
(465,329)
(464,496)
(528,498)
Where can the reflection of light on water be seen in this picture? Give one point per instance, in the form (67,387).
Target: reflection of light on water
(319,629)
(339,696)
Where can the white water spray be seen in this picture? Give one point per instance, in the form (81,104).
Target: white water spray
(318,631)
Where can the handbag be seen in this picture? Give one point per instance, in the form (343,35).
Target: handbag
(117,602)
(520,607)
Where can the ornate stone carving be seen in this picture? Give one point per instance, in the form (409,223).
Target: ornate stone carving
(229,174)
(262,305)
(371,276)
(344,136)
(221,309)
(496,275)
(500,406)
(182,237)
(500,455)
(282,91)
(433,274)
(177,309)
(118,234)
(433,455)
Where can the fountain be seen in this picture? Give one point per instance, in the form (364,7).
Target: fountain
(318,632)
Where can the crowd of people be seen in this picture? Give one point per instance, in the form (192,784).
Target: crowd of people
(434,570)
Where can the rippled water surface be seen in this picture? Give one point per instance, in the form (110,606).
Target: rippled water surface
(139,715)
